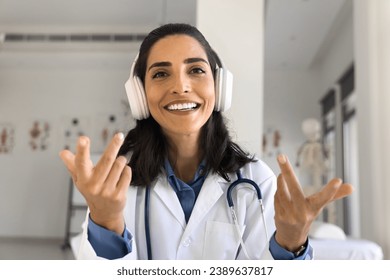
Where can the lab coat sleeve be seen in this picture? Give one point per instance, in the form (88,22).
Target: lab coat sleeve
(107,243)
(85,250)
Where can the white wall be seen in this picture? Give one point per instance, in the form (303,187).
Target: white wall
(290,97)
(239,43)
(50,86)
(338,54)
(372,42)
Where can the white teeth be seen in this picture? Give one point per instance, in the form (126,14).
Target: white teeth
(182,106)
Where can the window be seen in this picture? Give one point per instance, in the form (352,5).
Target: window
(340,139)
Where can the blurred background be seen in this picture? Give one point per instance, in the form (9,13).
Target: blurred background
(310,81)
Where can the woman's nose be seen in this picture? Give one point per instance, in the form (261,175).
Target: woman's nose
(181,84)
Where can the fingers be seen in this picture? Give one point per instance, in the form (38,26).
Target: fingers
(103,167)
(115,173)
(282,191)
(83,162)
(334,190)
(280,197)
(69,160)
(289,177)
(343,191)
(124,181)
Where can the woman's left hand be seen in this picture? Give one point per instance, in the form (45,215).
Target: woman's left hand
(294,212)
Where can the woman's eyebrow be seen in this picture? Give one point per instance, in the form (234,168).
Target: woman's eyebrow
(160,64)
(187,61)
(195,59)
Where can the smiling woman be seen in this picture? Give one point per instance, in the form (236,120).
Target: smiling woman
(180,162)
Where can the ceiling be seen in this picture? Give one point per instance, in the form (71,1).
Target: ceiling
(89,15)
(295,29)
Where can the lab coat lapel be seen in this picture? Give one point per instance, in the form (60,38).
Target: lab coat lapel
(169,198)
(210,193)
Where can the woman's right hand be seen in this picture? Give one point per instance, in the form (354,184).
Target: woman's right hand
(105,185)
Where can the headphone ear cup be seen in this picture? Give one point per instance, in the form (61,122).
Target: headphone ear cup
(137,98)
(223,89)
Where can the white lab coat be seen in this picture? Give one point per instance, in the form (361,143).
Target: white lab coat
(210,232)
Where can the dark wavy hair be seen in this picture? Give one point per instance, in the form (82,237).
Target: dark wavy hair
(148,145)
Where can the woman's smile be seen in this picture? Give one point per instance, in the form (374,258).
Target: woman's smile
(182,107)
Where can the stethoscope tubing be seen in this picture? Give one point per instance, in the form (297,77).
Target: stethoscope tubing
(147,224)
(241,180)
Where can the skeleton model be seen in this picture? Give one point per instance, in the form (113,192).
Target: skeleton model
(311,159)
(313,164)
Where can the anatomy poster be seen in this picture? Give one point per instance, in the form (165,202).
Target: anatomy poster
(39,135)
(271,145)
(7,139)
(72,129)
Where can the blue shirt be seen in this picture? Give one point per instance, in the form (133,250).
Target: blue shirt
(110,245)
(186,192)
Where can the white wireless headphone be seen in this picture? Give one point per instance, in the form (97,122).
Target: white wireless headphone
(137,99)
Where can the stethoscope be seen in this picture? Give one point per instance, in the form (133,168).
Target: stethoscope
(229,198)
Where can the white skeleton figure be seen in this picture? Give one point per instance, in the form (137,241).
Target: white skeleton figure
(311,159)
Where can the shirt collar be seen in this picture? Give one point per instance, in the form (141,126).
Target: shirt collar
(200,172)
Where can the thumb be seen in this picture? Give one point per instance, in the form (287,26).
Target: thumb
(334,190)
(343,191)
(68,158)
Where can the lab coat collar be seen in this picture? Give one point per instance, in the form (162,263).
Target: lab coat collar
(210,193)
(168,196)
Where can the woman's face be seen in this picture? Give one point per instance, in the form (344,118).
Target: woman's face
(179,85)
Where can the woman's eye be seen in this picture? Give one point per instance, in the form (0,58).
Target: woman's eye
(197,70)
(159,74)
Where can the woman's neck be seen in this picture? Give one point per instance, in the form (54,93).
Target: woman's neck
(184,155)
